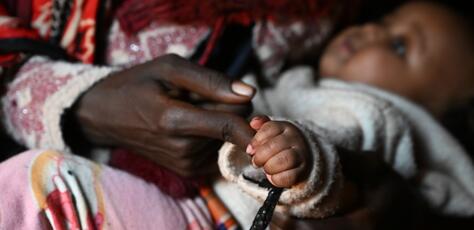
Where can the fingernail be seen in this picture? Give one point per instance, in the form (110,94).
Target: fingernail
(256,118)
(250,150)
(269,178)
(243,89)
(253,164)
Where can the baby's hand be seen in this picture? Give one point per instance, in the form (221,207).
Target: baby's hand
(280,148)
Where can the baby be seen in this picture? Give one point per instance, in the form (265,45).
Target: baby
(399,76)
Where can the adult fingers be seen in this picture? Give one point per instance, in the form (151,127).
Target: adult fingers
(186,119)
(174,147)
(239,109)
(188,146)
(197,79)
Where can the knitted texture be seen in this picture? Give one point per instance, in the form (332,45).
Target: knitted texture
(39,95)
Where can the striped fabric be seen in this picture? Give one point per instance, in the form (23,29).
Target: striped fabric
(221,216)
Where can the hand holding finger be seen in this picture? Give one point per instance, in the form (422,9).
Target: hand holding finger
(186,119)
(145,107)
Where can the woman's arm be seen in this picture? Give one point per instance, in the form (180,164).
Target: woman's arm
(144,108)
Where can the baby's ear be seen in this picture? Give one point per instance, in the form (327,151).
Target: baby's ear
(258,121)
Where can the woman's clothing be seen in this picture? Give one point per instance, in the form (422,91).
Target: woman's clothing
(41,91)
(45,189)
(44,88)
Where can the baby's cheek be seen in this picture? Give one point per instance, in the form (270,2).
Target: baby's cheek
(373,67)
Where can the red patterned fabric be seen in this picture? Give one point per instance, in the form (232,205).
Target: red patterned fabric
(169,182)
(79,32)
(9,29)
(137,14)
(77,38)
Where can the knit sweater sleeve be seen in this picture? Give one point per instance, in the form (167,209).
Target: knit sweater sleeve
(316,197)
(330,117)
(38,96)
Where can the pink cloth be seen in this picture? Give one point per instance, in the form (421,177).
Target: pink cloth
(42,189)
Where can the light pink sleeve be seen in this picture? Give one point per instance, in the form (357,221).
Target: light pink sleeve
(38,96)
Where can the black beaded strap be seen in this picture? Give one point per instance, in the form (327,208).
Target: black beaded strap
(265,213)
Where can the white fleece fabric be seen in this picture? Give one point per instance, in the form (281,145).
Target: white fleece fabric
(358,117)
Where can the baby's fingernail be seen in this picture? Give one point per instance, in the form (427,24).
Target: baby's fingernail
(269,178)
(253,164)
(250,150)
(257,118)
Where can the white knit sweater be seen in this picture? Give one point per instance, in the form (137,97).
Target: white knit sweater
(332,114)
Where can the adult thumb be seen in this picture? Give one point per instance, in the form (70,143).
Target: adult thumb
(205,82)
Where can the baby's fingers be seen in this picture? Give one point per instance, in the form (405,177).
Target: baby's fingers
(273,146)
(268,130)
(283,161)
(286,178)
(258,121)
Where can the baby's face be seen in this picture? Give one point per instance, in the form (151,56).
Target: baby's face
(419,51)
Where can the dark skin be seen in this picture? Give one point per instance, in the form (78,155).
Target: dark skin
(173,116)
(181,120)
(152,109)
(421,51)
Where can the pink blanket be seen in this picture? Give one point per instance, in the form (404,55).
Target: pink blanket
(48,190)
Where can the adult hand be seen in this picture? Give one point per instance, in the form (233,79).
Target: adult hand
(386,201)
(169,110)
